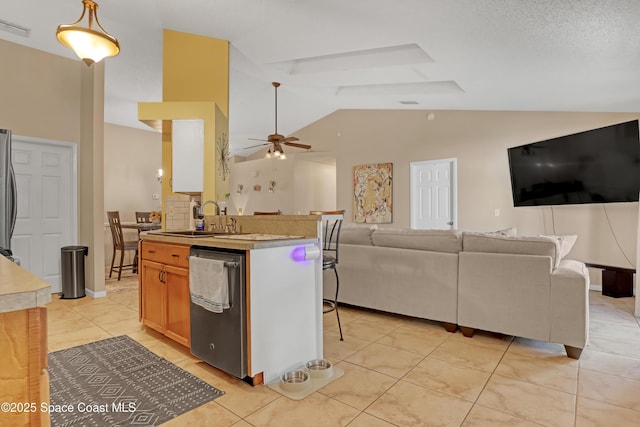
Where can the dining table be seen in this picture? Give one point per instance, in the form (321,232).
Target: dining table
(141,226)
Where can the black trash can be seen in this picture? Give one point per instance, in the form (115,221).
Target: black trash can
(72,260)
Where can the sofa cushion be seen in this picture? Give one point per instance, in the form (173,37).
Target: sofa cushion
(449,241)
(522,245)
(356,235)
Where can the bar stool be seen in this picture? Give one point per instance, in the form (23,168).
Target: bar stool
(330,251)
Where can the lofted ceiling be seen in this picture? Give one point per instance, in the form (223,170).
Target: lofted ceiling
(536,55)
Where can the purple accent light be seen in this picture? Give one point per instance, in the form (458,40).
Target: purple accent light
(298,254)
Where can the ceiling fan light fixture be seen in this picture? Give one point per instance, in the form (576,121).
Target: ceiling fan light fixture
(275,141)
(90,43)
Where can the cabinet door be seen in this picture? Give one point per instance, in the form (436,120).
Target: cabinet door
(178,317)
(153,295)
(187,156)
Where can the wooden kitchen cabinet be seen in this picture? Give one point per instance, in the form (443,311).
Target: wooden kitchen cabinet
(153,295)
(164,289)
(23,363)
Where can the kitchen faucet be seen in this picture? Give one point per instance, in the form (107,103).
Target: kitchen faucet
(219,212)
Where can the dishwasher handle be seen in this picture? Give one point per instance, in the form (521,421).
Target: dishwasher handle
(228,264)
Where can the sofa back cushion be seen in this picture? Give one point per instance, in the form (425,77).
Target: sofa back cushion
(449,241)
(356,235)
(555,247)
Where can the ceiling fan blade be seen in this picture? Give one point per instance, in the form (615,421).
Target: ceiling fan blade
(259,145)
(257,139)
(293,144)
(290,138)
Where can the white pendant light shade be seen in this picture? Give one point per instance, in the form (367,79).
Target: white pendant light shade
(89,43)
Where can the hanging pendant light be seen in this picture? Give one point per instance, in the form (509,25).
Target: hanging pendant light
(90,44)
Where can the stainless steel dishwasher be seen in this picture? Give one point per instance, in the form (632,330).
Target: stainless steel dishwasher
(220,339)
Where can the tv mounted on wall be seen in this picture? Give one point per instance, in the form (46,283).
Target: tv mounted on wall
(595,166)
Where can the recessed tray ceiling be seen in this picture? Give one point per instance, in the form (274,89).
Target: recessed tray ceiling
(419,88)
(369,58)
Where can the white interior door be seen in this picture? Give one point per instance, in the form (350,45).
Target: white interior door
(433,194)
(46,201)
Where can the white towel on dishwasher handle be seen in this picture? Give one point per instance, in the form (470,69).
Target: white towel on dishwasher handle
(209,283)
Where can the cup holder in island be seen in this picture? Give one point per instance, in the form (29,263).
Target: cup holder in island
(295,381)
(319,368)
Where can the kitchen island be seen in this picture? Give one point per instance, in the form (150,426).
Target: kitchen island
(23,339)
(282,290)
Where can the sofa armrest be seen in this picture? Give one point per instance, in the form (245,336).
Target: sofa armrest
(570,304)
(506,293)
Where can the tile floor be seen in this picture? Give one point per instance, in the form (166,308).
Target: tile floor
(405,372)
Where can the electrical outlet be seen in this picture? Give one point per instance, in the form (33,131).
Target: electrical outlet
(172,211)
(496,212)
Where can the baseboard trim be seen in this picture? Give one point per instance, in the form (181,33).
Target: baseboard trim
(595,287)
(92,294)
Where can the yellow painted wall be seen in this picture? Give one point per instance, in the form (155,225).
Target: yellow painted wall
(195,85)
(195,68)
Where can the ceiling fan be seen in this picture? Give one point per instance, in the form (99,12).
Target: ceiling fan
(276,140)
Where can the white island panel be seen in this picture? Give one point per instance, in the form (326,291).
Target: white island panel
(285,310)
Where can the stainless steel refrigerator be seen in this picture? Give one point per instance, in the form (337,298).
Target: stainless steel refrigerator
(8,192)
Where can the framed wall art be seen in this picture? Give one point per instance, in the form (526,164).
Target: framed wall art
(372,193)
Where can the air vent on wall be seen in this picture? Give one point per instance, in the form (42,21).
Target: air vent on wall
(408,102)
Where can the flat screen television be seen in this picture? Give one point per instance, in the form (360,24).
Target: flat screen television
(595,166)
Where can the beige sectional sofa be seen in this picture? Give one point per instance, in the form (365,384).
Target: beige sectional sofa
(499,282)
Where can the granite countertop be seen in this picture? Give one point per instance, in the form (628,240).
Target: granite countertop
(20,289)
(230,241)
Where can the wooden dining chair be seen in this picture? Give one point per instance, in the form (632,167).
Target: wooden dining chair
(278,212)
(143,217)
(330,250)
(119,244)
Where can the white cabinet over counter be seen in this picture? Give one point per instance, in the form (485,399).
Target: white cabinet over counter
(188,156)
